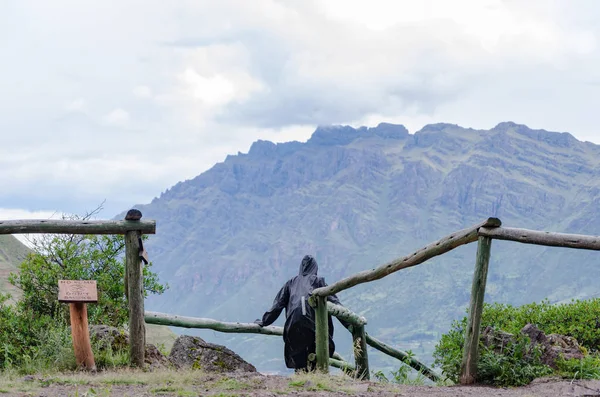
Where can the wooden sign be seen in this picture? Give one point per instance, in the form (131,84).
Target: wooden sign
(144,256)
(77,291)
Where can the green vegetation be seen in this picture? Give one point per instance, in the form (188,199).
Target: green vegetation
(34,330)
(184,383)
(403,375)
(588,368)
(519,363)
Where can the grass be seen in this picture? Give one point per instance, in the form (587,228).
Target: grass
(173,390)
(180,383)
(231,384)
(319,382)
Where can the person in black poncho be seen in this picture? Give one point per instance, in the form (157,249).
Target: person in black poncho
(299,328)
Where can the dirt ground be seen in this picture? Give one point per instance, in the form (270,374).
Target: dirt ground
(194,383)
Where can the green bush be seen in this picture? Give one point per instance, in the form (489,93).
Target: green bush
(60,257)
(403,375)
(20,331)
(34,332)
(587,368)
(579,319)
(517,365)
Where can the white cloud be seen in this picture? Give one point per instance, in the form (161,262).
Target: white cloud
(210,90)
(7,214)
(76,105)
(142,91)
(117,117)
(19,213)
(173,87)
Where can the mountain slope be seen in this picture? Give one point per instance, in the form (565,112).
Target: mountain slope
(229,238)
(12,253)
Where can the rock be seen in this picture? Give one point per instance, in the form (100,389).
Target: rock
(105,336)
(552,346)
(564,346)
(193,352)
(133,215)
(154,358)
(535,334)
(496,338)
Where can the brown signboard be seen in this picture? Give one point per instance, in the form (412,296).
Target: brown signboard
(77,291)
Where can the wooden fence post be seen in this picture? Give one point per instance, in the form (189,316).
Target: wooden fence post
(135,293)
(80,333)
(322,334)
(361,358)
(77,293)
(468,370)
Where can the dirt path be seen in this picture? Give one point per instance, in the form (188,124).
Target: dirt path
(194,383)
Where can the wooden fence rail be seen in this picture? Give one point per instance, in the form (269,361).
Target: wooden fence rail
(361,368)
(402,356)
(319,295)
(484,232)
(208,323)
(75,227)
(543,238)
(439,247)
(344,313)
(229,327)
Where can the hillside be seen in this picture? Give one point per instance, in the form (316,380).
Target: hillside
(12,253)
(229,238)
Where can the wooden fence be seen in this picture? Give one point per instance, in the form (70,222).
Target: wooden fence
(132,228)
(357,328)
(483,233)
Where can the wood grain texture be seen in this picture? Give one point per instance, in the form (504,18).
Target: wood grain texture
(207,323)
(80,333)
(361,356)
(346,314)
(468,371)
(75,227)
(135,287)
(537,237)
(322,334)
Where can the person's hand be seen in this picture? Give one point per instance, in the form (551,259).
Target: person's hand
(258,322)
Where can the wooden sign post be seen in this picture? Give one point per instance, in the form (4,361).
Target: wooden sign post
(78,293)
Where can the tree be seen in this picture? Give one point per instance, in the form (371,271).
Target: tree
(79,257)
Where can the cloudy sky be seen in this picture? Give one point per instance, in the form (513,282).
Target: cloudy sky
(118,100)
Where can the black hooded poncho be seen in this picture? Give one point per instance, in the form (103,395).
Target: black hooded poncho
(299,328)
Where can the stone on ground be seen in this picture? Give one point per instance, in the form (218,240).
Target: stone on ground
(193,352)
(552,346)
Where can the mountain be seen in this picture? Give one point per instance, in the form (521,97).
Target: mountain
(12,253)
(355,198)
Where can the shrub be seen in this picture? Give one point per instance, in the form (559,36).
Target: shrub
(579,319)
(587,368)
(517,365)
(403,375)
(34,332)
(91,257)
